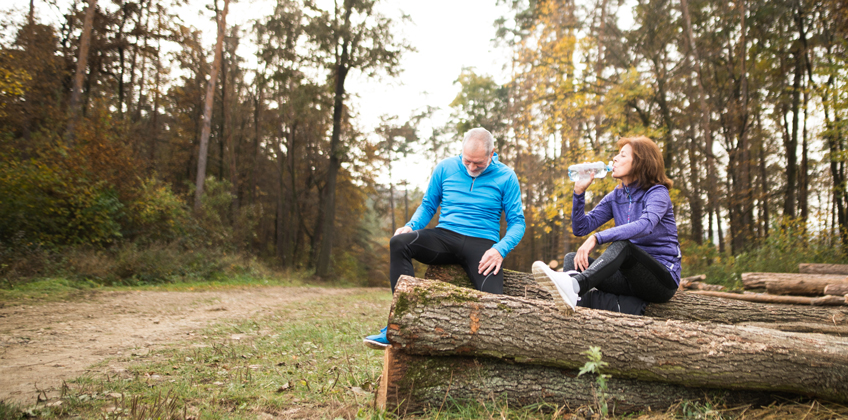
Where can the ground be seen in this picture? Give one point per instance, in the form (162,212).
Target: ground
(42,345)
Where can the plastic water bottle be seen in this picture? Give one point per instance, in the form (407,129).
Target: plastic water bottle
(583,171)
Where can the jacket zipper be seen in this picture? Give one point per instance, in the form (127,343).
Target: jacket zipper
(472,183)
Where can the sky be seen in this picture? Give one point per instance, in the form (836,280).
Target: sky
(447,34)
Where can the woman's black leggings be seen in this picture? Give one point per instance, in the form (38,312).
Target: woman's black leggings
(625,269)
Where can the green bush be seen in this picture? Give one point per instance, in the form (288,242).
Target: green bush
(50,205)
(155,214)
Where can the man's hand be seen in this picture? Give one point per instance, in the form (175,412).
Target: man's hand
(581,260)
(403,229)
(492,259)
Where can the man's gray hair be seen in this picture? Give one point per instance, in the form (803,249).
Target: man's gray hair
(480,137)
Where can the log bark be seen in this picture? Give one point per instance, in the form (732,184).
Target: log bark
(411,383)
(767,298)
(791,283)
(823,269)
(836,289)
(437,319)
(685,306)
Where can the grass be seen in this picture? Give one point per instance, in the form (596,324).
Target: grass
(304,361)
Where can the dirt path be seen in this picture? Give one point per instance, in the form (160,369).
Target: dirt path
(40,346)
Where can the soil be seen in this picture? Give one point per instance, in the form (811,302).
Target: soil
(42,345)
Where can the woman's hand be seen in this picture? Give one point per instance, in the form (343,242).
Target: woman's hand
(581,186)
(581,260)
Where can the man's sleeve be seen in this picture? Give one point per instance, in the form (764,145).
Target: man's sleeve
(514,217)
(431,201)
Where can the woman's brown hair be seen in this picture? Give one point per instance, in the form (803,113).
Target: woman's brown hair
(648,168)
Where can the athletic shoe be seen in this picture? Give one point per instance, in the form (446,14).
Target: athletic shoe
(377,341)
(557,284)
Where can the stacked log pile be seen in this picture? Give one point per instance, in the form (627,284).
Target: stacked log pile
(453,342)
(815,284)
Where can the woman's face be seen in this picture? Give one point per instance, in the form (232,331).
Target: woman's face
(622,163)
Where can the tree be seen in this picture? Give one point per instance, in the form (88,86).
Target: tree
(79,75)
(480,103)
(397,139)
(221,19)
(353,36)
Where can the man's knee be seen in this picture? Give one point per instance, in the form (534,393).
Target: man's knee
(400,242)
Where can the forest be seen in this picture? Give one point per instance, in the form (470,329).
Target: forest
(131,152)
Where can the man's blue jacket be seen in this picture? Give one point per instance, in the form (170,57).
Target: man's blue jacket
(472,206)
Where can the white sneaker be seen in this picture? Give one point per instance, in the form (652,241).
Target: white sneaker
(557,284)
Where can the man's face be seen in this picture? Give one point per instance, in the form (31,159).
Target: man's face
(475,159)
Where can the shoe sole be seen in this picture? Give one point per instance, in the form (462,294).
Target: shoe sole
(546,284)
(376,345)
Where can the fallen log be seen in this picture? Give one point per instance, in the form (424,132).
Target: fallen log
(696,285)
(686,282)
(411,383)
(805,268)
(791,283)
(767,298)
(836,289)
(686,306)
(437,319)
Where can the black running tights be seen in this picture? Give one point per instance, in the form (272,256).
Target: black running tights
(441,246)
(625,269)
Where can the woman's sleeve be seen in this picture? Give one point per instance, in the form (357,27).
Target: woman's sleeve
(581,223)
(657,203)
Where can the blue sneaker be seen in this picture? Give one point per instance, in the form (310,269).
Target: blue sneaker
(377,341)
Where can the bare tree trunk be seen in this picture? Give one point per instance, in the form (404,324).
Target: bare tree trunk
(79,76)
(692,53)
(207,109)
(326,228)
(436,319)
(257,145)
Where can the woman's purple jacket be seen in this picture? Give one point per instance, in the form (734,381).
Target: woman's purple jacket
(644,217)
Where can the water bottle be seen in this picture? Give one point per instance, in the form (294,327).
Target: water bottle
(583,171)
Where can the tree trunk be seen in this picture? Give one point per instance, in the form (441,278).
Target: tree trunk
(686,306)
(207,108)
(438,319)
(836,289)
(791,283)
(692,53)
(411,383)
(82,63)
(823,268)
(322,265)
(771,298)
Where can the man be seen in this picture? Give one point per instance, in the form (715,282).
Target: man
(472,189)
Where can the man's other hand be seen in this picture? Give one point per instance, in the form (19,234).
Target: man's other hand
(403,229)
(491,260)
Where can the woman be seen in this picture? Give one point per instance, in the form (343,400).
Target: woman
(643,256)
